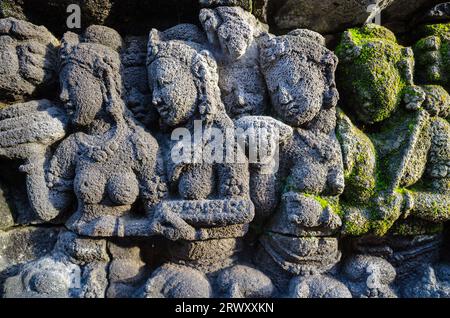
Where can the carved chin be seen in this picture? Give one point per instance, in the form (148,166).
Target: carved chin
(236,52)
(80,121)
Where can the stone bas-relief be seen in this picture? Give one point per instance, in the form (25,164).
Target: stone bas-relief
(351,203)
(396,177)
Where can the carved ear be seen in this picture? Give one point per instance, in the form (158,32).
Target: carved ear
(154,38)
(209,20)
(203,65)
(205,70)
(331,95)
(270,49)
(265,39)
(69,41)
(330,59)
(209,61)
(330,98)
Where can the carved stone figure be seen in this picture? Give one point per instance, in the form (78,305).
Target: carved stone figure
(217,159)
(209,207)
(432,55)
(106,166)
(29,60)
(300,237)
(235,35)
(395,181)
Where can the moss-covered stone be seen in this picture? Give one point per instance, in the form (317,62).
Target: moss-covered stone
(379,166)
(437,101)
(413,227)
(12,8)
(432,54)
(373,72)
(359,161)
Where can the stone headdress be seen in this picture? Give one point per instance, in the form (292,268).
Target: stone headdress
(97,51)
(212,19)
(188,48)
(310,46)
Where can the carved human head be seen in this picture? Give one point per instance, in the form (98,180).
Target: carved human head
(28,60)
(231,28)
(90,79)
(373,71)
(243,91)
(299,72)
(183,79)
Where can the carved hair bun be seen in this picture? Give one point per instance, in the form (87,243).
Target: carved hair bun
(103,35)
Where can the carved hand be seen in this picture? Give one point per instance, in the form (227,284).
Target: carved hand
(27,129)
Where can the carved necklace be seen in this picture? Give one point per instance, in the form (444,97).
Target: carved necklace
(100,149)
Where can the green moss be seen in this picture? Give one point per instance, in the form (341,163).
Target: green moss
(327,202)
(360,180)
(369,73)
(440,29)
(359,160)
(5,6)
(355,224)
(10,9)
(324,203)
(372,223)
(414,227)
(426,57)
(437,97)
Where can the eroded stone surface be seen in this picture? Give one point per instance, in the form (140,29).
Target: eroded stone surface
(340,202)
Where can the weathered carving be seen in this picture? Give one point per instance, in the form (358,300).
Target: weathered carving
(299,72)
(106,166)
(213,211)
(210,160)
(28,55)
(395,183)
(235,36)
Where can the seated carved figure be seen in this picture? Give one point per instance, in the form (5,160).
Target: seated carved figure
(185,93)
(300,237)
(208,207)
(235,35)
(102,169)
(395,159)
(28,56)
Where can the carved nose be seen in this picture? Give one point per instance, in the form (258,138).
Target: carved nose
(156,99)
(285,97)
(64,95)
(240,98)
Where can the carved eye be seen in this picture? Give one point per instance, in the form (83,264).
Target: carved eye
(164,82)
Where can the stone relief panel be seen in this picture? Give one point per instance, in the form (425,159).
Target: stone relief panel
(217,159)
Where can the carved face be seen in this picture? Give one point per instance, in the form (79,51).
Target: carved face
(372,72)
(377,98)
(174,91)
(82,93)
(234,38)
(23,67)
(296,88)
(243,91)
